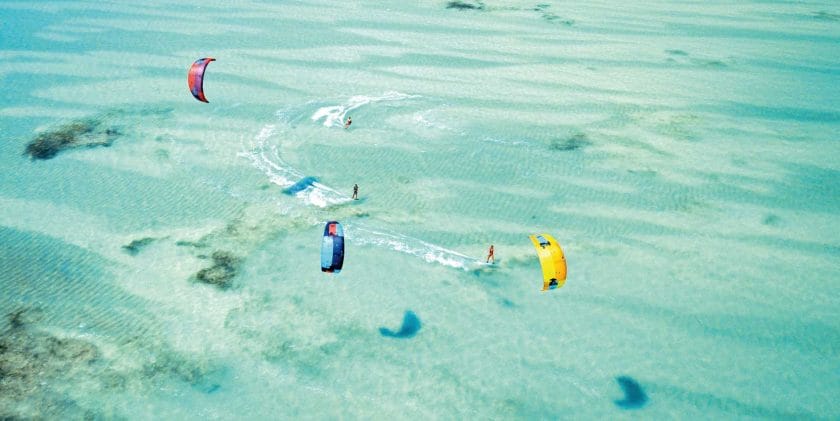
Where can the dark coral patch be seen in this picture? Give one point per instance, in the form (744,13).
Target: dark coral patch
(31,361)
(221,274)
(460,5)
(823,15)
(771,220)
(571,143)
(86,133)
(135,246)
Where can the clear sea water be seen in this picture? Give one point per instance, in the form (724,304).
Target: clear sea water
(684,154)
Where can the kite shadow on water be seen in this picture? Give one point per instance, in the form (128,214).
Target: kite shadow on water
(300,186)
(410,327)
(634,396)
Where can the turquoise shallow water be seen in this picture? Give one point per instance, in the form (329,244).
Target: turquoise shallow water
(684,155)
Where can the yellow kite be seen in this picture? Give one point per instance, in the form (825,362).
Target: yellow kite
(551,259)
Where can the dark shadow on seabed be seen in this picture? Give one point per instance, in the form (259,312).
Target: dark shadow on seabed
(300,186)
(410,327)
(634,395)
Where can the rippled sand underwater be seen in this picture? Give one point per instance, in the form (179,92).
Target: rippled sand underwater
(160,255)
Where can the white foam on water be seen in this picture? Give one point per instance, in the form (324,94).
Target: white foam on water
(410,245)
(265,157)
(503,141)
(334,115)
(421,119)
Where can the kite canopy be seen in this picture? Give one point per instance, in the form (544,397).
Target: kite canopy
(551,259)
(332,248)
(195,78)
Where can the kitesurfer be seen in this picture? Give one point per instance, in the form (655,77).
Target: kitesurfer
(355,189)
(349,122)
(490,255)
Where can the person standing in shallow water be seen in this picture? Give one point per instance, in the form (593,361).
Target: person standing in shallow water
(349,122)
(355,192)
(490,255)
